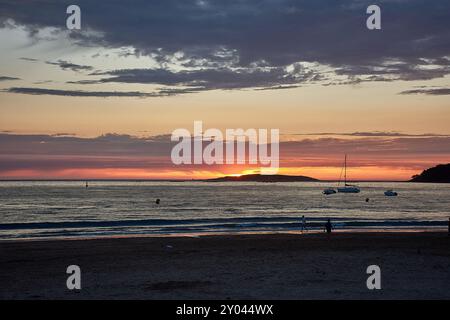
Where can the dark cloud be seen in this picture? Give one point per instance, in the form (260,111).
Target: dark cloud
(370,147)
(64,144)
(431,91)
(70,66)
(29,59)
(4,78)
(373,134)
(62,152)
(116,151)
(210,79)
(43,82)
(278,88)
(236,38)
(100,94)
(417,70)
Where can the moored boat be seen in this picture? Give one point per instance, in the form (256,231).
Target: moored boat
(329,191)
(347,188)
(390,193)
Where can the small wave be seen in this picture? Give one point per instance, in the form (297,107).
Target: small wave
(232,210)
(167,226)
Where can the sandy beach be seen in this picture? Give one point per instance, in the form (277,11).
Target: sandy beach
(414,265)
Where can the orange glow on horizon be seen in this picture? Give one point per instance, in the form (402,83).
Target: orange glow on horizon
(322,173)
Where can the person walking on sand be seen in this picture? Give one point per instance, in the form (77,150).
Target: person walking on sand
(328,226)
(304,224)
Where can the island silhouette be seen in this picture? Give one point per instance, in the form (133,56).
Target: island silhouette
(437,174)
(263,178)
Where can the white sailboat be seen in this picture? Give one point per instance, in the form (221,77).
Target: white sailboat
(347,188)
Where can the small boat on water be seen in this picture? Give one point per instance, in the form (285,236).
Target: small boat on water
(347,188)
(390,193)
(329,191)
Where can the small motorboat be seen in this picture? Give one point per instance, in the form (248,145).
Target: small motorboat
(329,191)
(390,193)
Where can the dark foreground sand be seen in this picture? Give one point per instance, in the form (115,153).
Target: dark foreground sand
(413,266)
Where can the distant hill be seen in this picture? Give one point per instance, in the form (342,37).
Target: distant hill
(263,178)
(439,174)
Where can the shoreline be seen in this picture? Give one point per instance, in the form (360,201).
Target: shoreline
(414,265)
(227,234)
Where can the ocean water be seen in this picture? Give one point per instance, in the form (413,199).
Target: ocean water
(41,209)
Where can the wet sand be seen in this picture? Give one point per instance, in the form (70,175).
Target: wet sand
(277,266)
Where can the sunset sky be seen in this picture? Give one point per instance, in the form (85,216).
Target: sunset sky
(101,102)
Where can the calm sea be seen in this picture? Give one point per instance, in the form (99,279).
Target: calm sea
(68,209)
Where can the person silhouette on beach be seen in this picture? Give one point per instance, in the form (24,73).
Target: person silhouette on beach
(304,224)
(328,226)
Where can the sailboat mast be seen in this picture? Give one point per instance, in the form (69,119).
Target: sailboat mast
(345,170)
